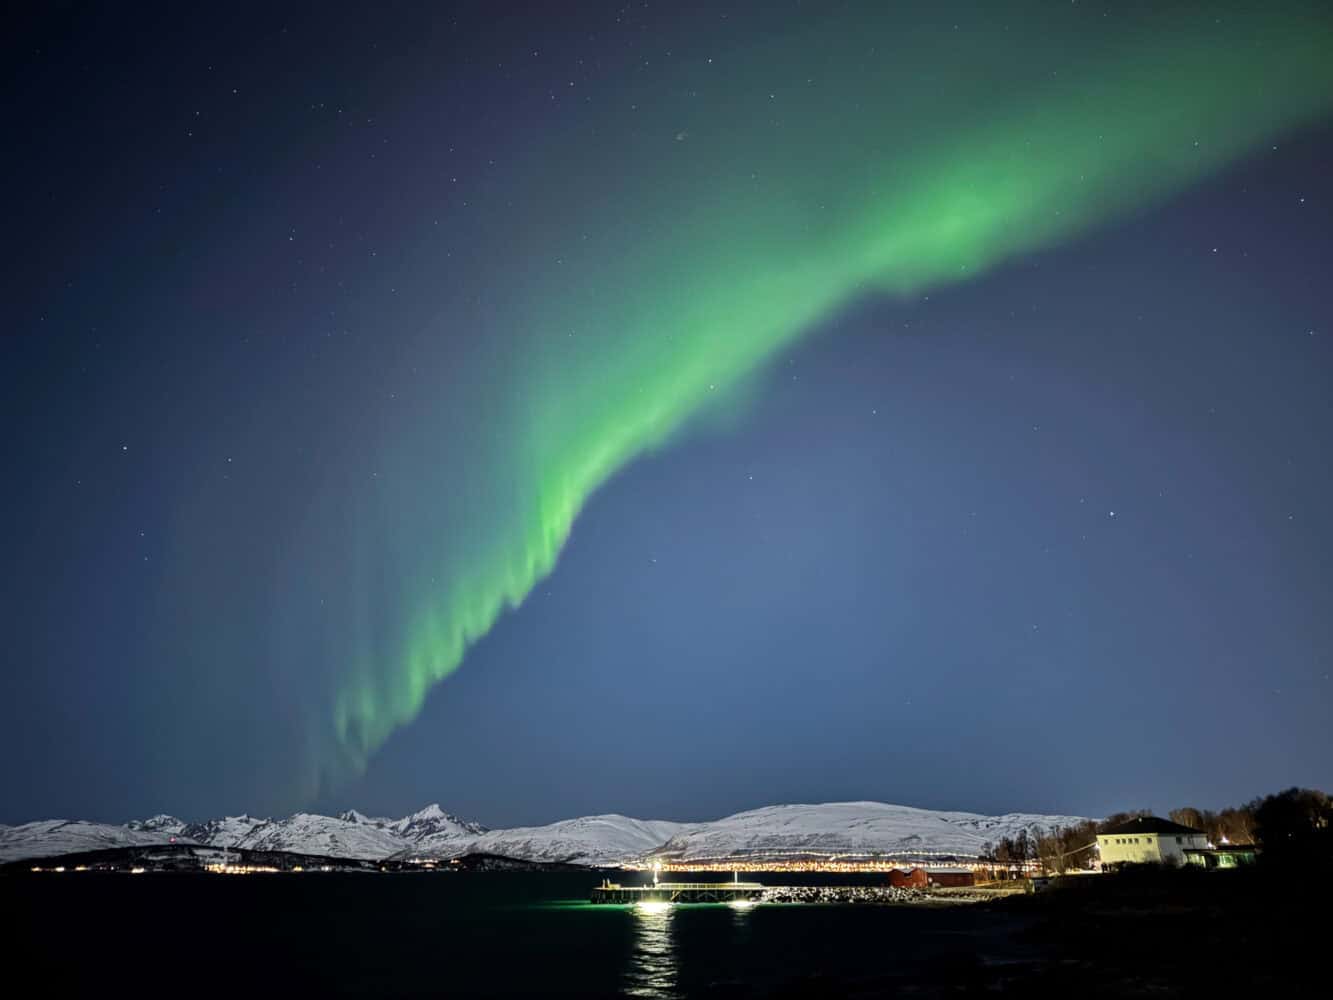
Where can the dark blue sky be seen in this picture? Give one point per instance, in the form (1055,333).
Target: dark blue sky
(1053,539)
(922,595)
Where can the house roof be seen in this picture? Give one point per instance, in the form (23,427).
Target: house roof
(1147,824)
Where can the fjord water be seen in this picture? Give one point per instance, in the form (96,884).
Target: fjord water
(462,934)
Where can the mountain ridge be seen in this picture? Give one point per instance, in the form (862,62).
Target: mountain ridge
(821,829)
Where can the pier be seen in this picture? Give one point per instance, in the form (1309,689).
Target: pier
(678,892)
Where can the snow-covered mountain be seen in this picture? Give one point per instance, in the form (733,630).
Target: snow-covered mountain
(229,831)
(310,833)
(433,822)
(850,828)
(352,816)
(161,823)
(60,836)
(303,833)
(588,840)
(429,822)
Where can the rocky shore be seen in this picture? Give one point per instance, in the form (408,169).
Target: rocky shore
(857,894)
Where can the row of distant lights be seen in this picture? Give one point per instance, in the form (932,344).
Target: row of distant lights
(213,869)
(76,868)
(852,863)
(835,855)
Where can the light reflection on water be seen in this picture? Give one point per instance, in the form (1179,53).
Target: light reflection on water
(653,969)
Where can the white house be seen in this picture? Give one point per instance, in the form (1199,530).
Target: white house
(1148,840)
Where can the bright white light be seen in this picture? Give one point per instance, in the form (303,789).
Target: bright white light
(652,906)
(741,904)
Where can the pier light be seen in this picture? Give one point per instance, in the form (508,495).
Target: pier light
(652,906)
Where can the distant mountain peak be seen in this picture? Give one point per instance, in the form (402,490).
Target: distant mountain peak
(432,821)
(361,819)
(161,823)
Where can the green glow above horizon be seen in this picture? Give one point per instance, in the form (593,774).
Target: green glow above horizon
(661,270)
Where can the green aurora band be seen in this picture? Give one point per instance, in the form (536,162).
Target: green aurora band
(657,268)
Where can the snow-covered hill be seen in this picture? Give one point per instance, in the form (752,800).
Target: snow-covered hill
(851,828)
(588,840)
(992,828)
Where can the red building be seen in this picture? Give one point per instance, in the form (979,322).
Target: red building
(915,879)
(952,878)
(919,878)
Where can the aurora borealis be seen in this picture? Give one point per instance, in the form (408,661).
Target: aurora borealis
(630,341)
(491,264)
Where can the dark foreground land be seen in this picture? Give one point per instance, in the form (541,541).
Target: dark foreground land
(1155,933)
(1166,934)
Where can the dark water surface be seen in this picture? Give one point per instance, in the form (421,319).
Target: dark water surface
(461,934)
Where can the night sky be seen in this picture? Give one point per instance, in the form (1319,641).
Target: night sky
(666,410)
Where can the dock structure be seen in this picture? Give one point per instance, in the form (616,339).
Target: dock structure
(678,892)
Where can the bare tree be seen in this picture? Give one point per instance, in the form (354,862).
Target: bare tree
(1122,817)
(1236,825)
(1067,847)
(1025,849)
(1188,816)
